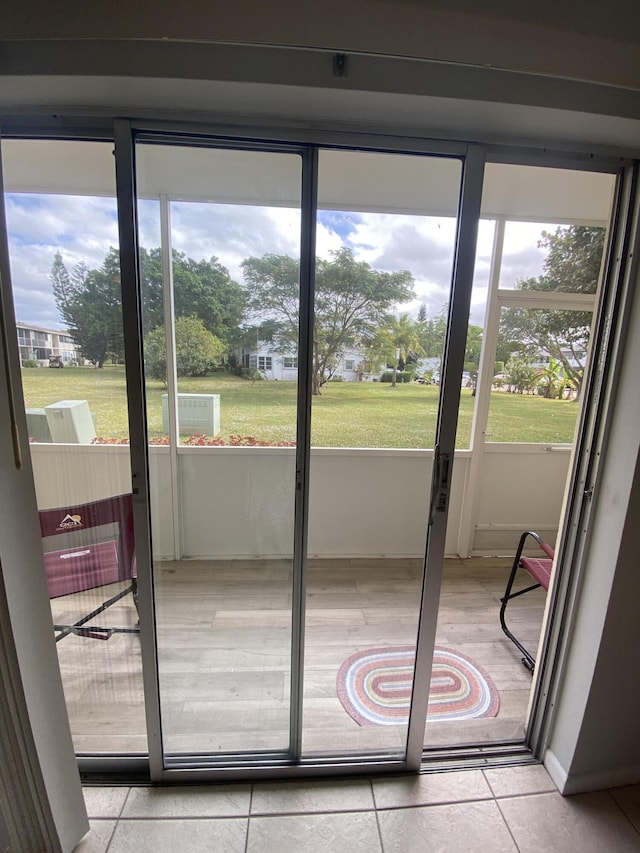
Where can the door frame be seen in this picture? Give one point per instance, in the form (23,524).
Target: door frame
(460,296)
(122,131)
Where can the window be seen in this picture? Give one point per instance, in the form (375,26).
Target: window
(290,362)
(264,362)
(349,364)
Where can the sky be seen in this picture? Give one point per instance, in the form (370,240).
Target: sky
(83,228)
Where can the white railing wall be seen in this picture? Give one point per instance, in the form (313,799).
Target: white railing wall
(238,502)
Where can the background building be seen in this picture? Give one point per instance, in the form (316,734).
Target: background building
(39,344)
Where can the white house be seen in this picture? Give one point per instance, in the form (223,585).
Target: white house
(272,364)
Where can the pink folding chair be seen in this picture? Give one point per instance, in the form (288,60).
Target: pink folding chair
(87,546)
(538,568)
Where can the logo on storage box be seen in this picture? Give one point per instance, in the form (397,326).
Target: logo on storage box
(70,522)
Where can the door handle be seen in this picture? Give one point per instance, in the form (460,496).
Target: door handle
(442,495)
(440,482)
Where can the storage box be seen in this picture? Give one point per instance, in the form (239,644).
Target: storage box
(70,422)
(198,414)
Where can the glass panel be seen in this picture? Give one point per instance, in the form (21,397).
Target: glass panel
(386,232)
(63,244)
(476,329)
(226,225)
(540,320)
(524,254)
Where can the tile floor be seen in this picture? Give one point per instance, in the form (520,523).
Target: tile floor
(472,811)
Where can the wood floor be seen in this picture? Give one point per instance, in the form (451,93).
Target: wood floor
(224,648)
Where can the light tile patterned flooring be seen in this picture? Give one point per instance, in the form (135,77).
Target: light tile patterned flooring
(224,652)
(474,811)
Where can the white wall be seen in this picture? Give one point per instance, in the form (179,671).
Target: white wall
(594,739)
(238,502)
(27,638)
(521,487)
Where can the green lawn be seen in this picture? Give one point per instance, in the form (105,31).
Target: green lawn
(348,414)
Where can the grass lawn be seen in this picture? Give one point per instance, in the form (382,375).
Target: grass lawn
(348,414)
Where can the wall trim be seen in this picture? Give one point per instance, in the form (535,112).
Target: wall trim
(582,783)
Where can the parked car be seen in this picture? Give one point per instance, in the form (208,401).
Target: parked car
(56,361)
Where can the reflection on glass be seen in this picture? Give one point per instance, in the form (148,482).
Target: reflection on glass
(220,233)
(386,231)
(63,245)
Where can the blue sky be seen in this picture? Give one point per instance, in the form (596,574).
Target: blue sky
(83,228)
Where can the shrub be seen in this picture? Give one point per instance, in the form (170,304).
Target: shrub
(401,376)
(29,362)
(197,350)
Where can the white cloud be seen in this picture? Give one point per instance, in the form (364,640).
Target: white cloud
(327,241)
(234,232)
(83,229)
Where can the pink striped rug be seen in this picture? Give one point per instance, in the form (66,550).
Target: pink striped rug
(374,686)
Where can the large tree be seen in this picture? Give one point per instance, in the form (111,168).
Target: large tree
(571,266)
(431,332)
(90,301)
(90,304)
(351,301)
(202,289)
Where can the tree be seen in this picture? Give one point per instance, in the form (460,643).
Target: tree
(90,304)
(519,375)
(90,301)
(551,380)
(472,353)
(351,301)
(431,337)
(403,341)
(197,350)
(431,332)
(200,288)
(572,266)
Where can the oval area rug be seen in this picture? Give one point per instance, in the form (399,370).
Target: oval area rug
(374,686)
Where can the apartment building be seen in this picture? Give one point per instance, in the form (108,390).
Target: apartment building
(39,344)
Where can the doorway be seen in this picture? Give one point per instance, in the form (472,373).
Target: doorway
(281,533)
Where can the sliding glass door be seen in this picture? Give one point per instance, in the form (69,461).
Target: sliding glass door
(293,419)
(64,260)
(219,246)
(261,359)
(386,235)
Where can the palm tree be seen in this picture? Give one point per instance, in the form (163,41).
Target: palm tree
(552,379)
(403,335)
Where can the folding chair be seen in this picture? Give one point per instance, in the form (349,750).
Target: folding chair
(87,546)
(539,568)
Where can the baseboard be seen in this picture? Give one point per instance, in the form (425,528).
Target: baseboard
(582,783)
(555,770)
